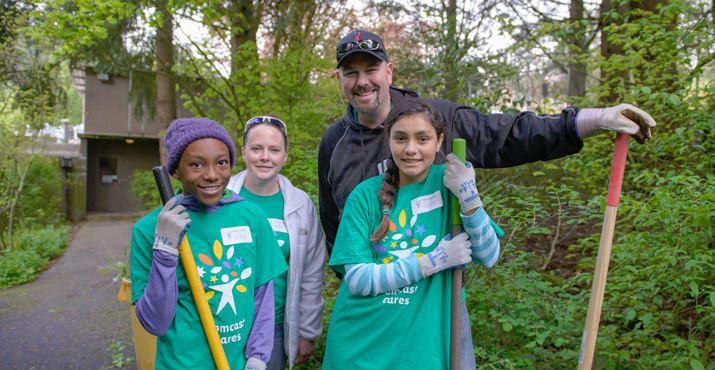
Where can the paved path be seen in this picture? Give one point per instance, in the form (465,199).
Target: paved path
(70,316)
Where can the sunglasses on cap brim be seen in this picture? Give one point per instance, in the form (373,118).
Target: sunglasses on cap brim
(359,44)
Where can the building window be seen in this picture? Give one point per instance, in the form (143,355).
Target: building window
(108,170)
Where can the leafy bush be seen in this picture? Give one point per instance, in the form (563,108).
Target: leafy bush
(658,305)
(19,266)
(41,200)
(34,248)
(48,242)
(143,190)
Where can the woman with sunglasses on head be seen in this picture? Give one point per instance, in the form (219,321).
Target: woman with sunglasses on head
(394,249)
(292,214)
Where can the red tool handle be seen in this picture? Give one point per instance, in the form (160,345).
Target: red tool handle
(595,302)
(618,167)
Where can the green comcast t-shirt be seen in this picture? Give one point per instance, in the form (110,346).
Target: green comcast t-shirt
(235,252)
(407,328)
(272,206)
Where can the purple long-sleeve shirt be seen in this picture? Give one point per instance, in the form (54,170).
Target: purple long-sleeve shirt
(156,308)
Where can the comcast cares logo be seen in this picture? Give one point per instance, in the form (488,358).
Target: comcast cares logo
(224,274)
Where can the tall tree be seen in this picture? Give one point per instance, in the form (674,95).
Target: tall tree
(32,96)
(437,40)
(165,85)
(578,48)
(541,25)
(612,50)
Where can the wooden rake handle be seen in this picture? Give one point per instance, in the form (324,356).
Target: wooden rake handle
(595,302)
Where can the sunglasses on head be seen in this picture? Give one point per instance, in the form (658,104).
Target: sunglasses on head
(265,119)
(359,44)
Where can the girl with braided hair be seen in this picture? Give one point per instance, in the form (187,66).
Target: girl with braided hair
(395,254)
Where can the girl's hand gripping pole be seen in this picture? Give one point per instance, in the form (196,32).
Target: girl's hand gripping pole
(163,182)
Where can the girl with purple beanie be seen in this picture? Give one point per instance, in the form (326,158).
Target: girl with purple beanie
(237,257)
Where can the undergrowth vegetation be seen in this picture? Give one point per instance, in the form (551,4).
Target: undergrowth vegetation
(529,310)
(41,234)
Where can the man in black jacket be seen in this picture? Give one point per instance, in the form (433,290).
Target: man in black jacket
(353,148)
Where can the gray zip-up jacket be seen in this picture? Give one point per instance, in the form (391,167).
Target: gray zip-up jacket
(304,301)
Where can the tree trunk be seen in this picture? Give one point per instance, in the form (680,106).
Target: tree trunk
(615,78)
(577,49)
(451,82)
(244,26)
(165,86)
(665,63)
(13,204)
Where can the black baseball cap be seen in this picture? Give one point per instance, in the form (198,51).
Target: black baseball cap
(359,41)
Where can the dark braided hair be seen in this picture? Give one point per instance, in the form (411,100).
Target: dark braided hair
(391,181)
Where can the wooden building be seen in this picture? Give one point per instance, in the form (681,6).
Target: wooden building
(114,142)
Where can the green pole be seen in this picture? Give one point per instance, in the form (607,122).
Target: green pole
(459,148)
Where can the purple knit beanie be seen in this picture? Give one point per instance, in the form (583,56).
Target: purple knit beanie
(184,131)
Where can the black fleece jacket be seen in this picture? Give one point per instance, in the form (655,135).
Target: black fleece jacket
(351,152)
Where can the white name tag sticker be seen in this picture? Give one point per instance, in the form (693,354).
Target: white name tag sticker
(278,225)
(235,235)
(426,203)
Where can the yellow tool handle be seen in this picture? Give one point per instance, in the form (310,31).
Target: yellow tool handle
(163,183)
(202,305)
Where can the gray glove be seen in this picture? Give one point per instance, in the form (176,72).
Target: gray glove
(459,179)
(171,225)
(255,364)
(627,119)
(623,118)
(450,252)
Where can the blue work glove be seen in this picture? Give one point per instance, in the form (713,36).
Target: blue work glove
(450,252)
(171,225)
(459,179)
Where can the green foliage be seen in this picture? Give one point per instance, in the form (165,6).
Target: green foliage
(19,266)
(35,247)
(143,190)
(41,200)
(118,358)
(658,308)
(74,26)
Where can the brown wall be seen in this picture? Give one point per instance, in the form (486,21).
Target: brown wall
(107,109)
(113,195)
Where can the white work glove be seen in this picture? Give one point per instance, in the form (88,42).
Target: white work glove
(171,225)
(255,364)
(459,179)
(450,252)
(623,118)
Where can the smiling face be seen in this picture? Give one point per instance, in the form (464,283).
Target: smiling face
(414,143)
(366,84)
(264,153)
(204,169)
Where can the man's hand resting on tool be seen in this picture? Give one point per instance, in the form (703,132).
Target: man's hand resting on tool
(623,118)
